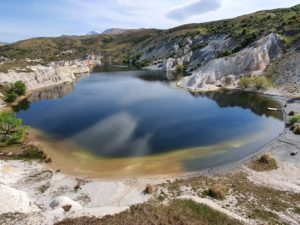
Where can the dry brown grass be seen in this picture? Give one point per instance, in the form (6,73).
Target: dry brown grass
(295,128)
(150,189)
(265,163)
(216,191)
(178,212)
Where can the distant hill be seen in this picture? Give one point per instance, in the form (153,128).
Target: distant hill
(114,31)
(3,43)
(94,32)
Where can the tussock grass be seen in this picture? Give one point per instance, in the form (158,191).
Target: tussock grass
(265,163)
(216,191)
(150,189)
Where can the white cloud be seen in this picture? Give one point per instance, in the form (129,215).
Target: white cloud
(196,8)
(80,16)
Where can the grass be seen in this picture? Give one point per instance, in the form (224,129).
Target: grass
(178,212)
(265,163)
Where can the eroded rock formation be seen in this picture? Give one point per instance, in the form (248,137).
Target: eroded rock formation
(53,74)
(252,60)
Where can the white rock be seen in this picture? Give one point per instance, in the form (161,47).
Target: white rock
(250,61)
(53,74)
(61,201)
(13,200)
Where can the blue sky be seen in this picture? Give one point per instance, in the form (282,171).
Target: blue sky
(21,19)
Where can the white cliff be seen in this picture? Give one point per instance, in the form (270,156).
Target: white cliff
(252,60)
(53,74)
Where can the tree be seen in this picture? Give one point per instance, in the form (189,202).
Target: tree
(14,91)
(19,88)
(11,129)
(11,97)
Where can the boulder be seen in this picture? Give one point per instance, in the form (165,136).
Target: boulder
(66,203)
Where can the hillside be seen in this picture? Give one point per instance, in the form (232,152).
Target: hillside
(245,29)
(187,47)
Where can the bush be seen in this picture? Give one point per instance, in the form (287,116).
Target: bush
(199,46)
(295,119)
(245,82)
(11,129)
(216,192)
(180,68)
(14,91)
(11,97)
(261,83)
(19,88)
(258,83)
(150,189)
(224,53)
(265,163)
(295,128)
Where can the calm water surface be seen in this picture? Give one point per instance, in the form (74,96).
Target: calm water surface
(127,114)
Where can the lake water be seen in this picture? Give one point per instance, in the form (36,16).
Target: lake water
(136,118)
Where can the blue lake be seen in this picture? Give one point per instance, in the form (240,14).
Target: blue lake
(126,114)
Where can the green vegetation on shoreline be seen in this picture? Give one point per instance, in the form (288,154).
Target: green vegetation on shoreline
(13,91)
(11,129)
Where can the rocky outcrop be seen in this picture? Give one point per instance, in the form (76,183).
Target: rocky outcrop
(192,52)
(286,72)
(252,60)
(53,74)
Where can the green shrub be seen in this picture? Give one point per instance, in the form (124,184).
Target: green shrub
(261,83)
(14,91)
(19,88)
(224,53)
(295,119)
(199,46)
(11,129)
(180,68)
(11,97)
(245,82)
(258,83)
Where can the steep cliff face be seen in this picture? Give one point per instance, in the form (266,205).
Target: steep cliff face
(192,52)
(252,60)
(53,74)
(286,71)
